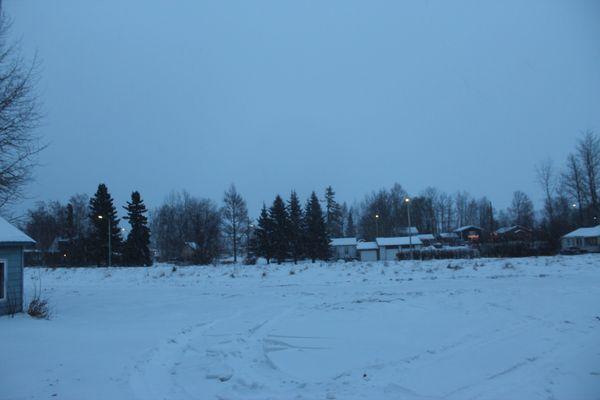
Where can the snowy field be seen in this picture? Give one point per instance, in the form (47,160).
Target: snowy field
(490,329)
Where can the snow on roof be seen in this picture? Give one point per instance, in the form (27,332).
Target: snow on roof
(10,234)
(343,241)
(408,231)
(397,241)
(366,246)
(584,232)
(466,228)
(426,236)
(516,228)
(448,235)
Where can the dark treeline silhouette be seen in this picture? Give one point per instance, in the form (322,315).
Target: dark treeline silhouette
(81,232)
(197,230)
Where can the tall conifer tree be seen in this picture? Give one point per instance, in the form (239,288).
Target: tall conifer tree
(280,240)
(333,214)
(137,246)
(264,233)
(317,239)
(296,227)
(102,215)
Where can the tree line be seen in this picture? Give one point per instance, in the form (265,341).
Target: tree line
(289,230)
(81,231)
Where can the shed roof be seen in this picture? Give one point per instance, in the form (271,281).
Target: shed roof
(426,236)
(398,241)
(515,228)
(348,241)
(366,246)
(466,228)
(584,232)
(10,234)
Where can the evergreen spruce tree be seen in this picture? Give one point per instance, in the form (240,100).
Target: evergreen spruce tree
(296,227)
(102,215)
(137,246)
(263,235)
(280,240)
(317,239)
(333,214)
(350,227)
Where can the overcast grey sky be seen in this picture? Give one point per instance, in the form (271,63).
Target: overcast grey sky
(274,95)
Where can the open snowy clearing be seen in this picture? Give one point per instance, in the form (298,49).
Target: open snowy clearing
(491,329)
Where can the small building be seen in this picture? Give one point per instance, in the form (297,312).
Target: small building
(516,233)
(448,238)
(427,239)
(587,239)
(389,247)
(12,244)
(367,251)
(343,248)
(189,251)
(408,231)
(469,233)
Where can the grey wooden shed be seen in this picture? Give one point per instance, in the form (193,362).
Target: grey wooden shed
(12,243)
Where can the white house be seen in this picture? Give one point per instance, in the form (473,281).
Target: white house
(389,247)
(367,251)
(343,248)
(583,238)
(12,243)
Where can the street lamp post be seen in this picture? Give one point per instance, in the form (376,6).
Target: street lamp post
(109,240)
(377,225)
(407,201)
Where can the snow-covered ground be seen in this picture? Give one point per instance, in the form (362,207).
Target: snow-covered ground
(491,329)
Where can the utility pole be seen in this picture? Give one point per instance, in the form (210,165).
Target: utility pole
(109,238)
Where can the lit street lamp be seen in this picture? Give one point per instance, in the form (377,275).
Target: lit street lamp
(407,201)
(377,225)
(109,241)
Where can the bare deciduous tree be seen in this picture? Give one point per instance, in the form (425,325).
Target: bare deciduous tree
(19,116)
(588,150)
(235,217)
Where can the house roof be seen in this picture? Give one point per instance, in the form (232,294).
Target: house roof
(366,246)
(412,230)
(10,234)
(426,236)
(397,241)
(516,228)
(348,241)
(466,228)
(449,235)
(584,232)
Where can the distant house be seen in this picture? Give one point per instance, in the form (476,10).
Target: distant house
(367,251)
(448,238)
(516,233)
(189,251)
(408,231)
(587,239)
(469,233)
(427,239)
(343,248)
(391,246)
(12,243)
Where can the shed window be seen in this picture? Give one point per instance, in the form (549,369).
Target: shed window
(2,280)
